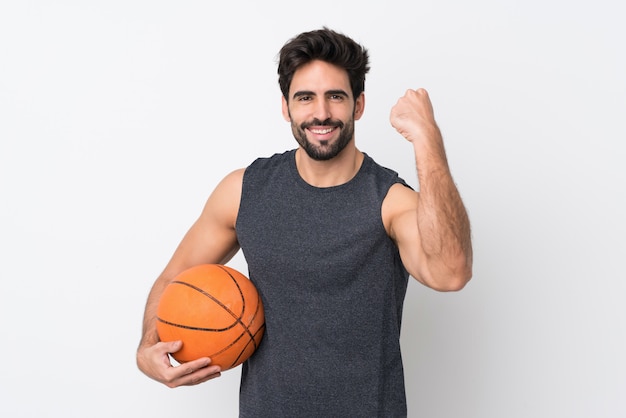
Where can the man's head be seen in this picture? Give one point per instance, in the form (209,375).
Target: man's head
(322,77)
(325,45)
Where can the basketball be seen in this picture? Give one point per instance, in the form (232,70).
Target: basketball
(215,311)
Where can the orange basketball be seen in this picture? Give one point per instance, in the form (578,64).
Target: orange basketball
(215,311)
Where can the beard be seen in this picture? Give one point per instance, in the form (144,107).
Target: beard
(326,149)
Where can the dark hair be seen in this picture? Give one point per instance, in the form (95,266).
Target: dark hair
(326,45)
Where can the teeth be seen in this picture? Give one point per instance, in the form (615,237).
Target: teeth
(321,131)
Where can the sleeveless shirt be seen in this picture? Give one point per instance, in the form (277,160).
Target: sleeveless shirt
(333,288)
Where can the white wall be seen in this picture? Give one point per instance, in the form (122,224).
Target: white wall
(118,118)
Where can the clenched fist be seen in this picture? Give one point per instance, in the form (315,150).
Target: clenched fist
(413,117)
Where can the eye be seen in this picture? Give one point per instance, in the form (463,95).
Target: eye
(304,98)
(336,97)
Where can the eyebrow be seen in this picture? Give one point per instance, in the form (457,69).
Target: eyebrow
(337,92)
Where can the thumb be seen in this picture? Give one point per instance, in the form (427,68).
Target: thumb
(172,346)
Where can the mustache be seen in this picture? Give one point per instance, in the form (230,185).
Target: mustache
(317,122)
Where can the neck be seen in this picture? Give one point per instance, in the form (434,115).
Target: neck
(334,172)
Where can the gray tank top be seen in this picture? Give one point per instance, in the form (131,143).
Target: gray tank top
(333,287)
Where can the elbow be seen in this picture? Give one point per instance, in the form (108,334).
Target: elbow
(451,279)
(461,275)
(449,284)
(460,272)
(456,283)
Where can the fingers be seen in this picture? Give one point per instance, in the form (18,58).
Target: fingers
(155,362)
(192,373)
(419,97)
(419,91)
(201,375)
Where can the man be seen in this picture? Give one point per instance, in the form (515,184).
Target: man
(330,239)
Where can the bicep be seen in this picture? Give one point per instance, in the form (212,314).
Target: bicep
(212,238)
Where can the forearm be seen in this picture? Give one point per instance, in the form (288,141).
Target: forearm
(443,222)
(149,334)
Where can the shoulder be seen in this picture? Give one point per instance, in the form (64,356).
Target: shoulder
(271,161)
(233,181)
(229,186)
(223,202)
(385,177)
(398,196)
(227,194)
(399,207)
(265,170)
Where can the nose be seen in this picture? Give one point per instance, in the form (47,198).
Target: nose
(322,110)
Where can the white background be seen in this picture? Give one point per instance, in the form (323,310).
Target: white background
(118,118)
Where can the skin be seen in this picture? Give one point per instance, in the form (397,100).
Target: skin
(430,227)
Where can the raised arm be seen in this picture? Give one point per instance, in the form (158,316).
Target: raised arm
(431,227)
(211,239)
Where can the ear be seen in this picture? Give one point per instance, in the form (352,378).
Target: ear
(286,115)
(359,106)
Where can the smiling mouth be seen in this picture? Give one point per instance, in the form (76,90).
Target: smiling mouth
(321,131)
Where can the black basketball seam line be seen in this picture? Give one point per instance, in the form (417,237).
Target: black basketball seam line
(251,340)
(193,328)
(246,329)
(230,312)
(237,319)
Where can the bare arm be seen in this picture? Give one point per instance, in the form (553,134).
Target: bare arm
(431,227)
(211,239)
